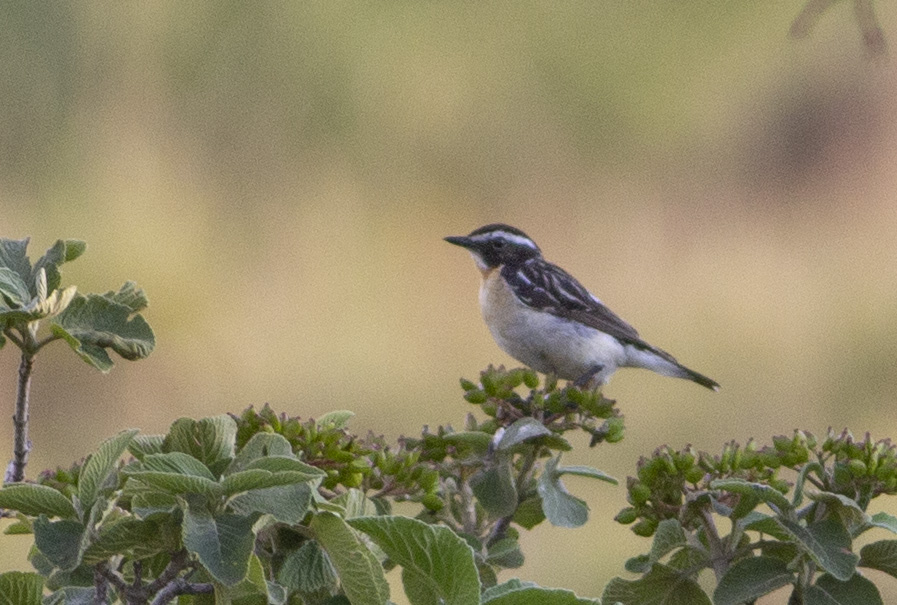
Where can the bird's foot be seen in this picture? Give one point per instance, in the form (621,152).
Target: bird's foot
(585,381)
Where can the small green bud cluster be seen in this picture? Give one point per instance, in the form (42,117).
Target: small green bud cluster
(350,461)
(63,480)
(861,469)
(667,481)
(560,409)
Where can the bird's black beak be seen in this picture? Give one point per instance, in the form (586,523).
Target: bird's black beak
(460,240)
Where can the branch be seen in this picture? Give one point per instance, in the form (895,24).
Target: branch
(15,472)
(180,586)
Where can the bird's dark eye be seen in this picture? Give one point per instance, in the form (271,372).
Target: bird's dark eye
(498,244)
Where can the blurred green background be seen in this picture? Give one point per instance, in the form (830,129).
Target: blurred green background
(278,177)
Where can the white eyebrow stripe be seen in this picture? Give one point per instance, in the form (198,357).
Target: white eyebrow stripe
(516,239)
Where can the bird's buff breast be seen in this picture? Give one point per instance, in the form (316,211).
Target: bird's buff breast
(545,342)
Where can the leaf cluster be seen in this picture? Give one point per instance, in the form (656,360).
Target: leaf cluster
(795,532)
(91,324)
(264,508)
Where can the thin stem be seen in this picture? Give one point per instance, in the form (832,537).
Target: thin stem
(15,472)
(45,341)
(15,339)
(180,586)
(717,550)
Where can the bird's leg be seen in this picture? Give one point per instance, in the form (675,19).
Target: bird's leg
(585,380)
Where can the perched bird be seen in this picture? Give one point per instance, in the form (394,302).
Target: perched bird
(540,315)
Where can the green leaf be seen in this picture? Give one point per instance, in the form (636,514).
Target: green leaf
(143,445)
(522,430)
(288,503)
(660,586)
(308,570)
(19,588)
(174,462)
(881,555)
(74,248)
(210,440)
(223,542)
(100,465)
(586,471)
(475,441)
(505,553)
(13,289)
(13,256)
(261,445)
(850,512)
(93,323)
(668,537)
(130,296)
(494,489)
(436,562)
(829,591)
(764,492)
(244,481)
(534,595)
(360,573)
(146,500)
(828,544)
(506,587)
(253,589)
(136,538)
(355,504)
(757,521)
(286,464)
(61,252)
(177,484)
(338,419)
(561,508)
(750,579)
(529,513)
(72,595)
(884,521)
(32,499)
(61,542)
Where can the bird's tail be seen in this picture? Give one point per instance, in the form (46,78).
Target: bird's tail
(702,380)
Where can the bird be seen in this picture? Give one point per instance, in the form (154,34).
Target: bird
(543,317)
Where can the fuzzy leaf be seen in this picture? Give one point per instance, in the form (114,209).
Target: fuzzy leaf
(494,490)
(762,491)
(287,503)
(210,440)
(750,579)
(360,573)
(32,499)
(587,471)
(436,562)
(660,586)
(19,588)
(100,465)
(881,555)
(223,542)
(522,430)
(535,595)
(93,323)
(830,591)
(828,544)
(561,508)
(61,542)
(308,570)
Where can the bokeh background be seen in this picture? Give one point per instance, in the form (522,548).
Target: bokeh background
(278,177)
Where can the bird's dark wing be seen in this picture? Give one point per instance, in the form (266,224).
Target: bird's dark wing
(546,287)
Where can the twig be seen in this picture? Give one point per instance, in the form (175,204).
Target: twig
(15,472)
(180,586)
